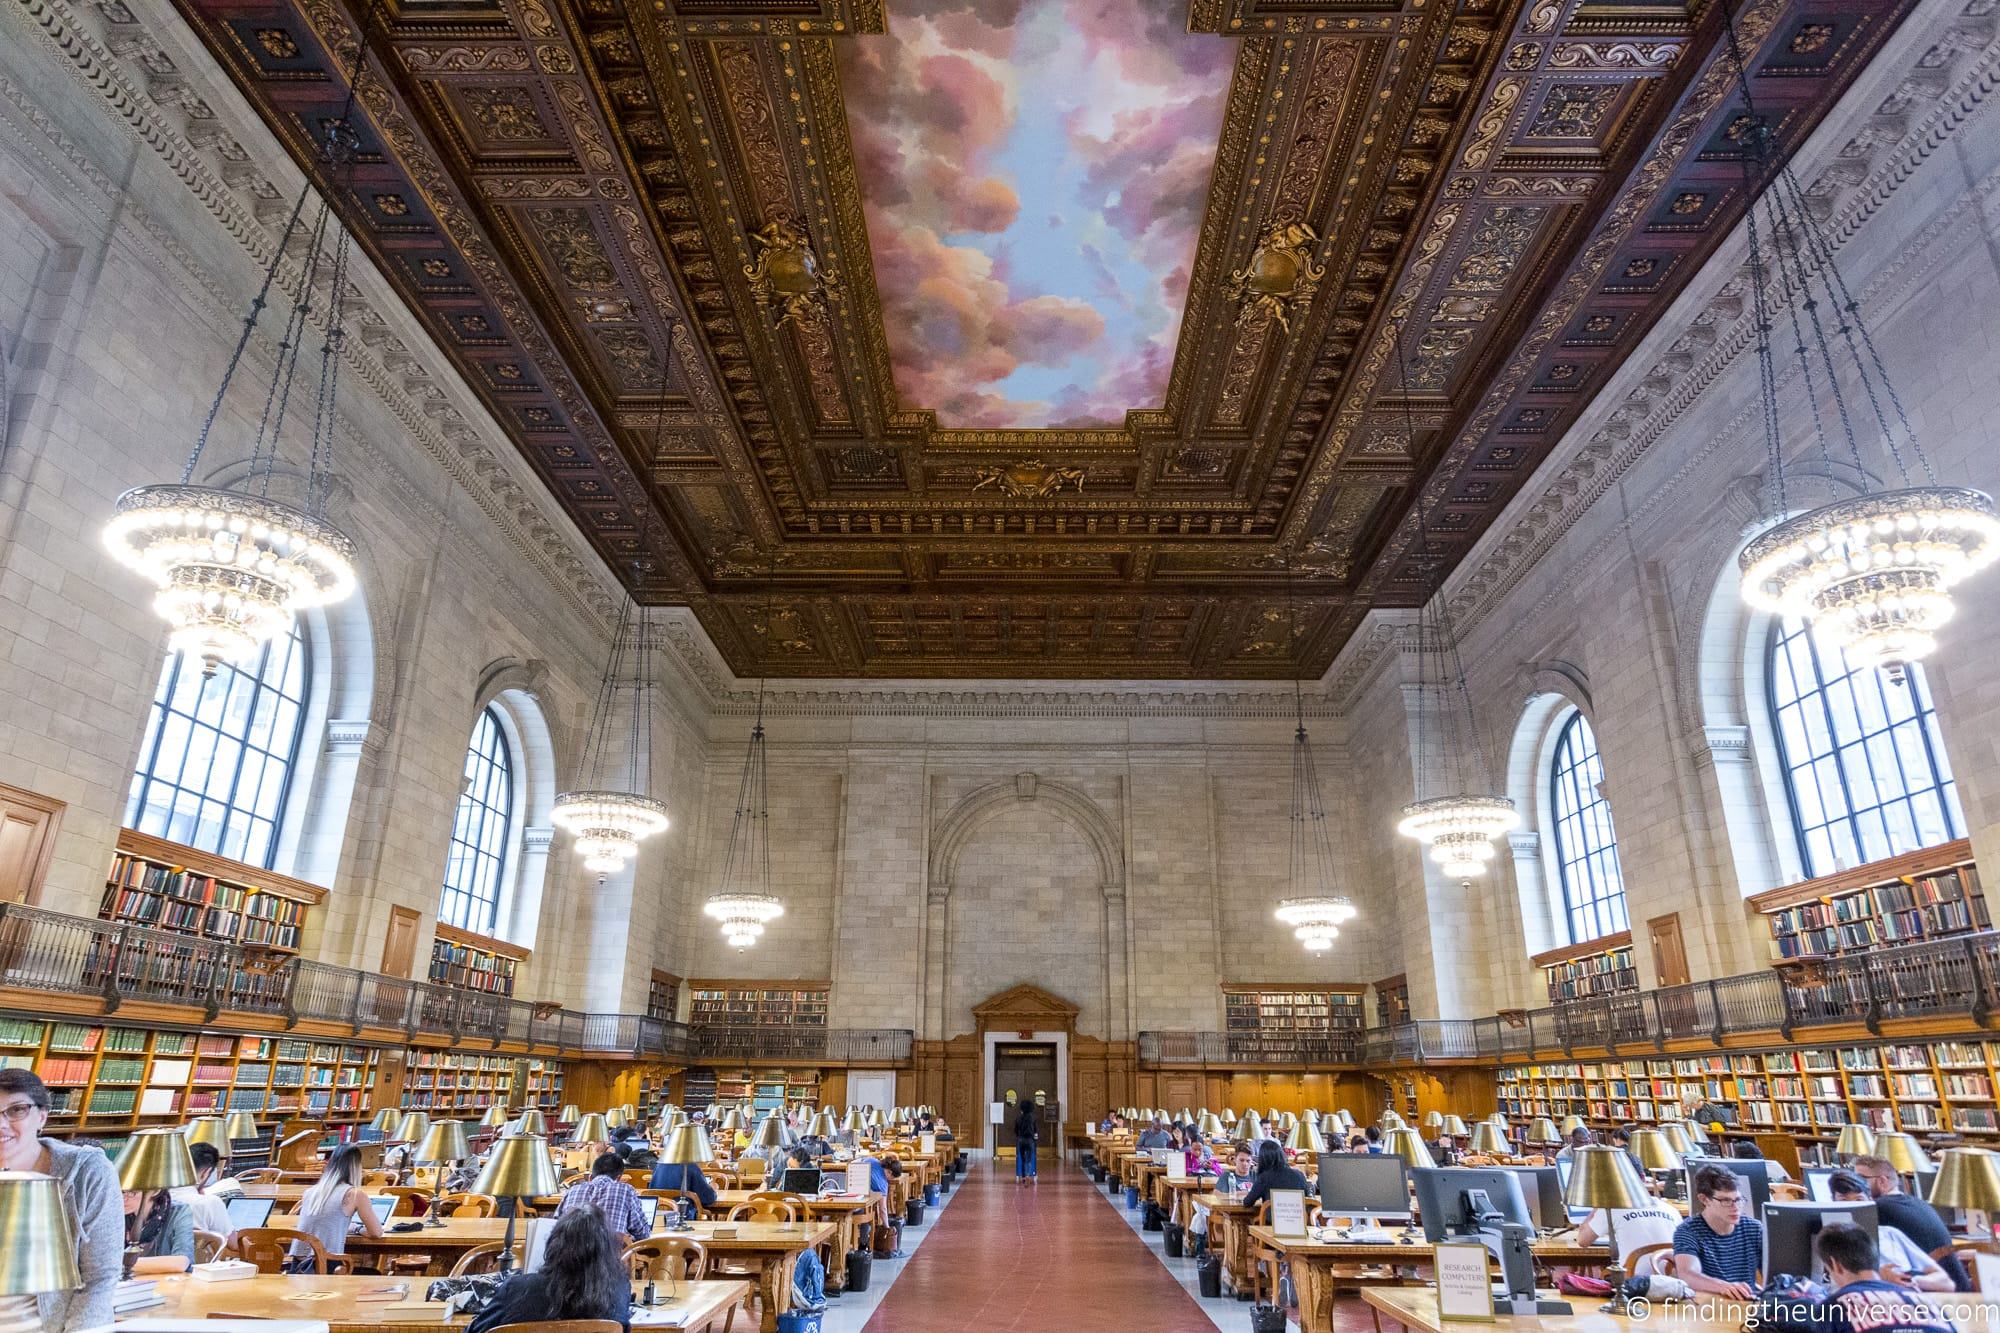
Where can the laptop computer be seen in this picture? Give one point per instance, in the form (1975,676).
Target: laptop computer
(384,1206)
(651,1208)
(246,1213)
(803,1179)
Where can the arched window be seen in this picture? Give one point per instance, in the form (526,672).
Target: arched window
(481,831)
(216,765)
(1864,765)
(1593,887)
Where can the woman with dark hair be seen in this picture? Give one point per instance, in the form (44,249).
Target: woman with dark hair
(160,1228)
(1272,1174)
(581,1277)
(89,1187)
(330,1202)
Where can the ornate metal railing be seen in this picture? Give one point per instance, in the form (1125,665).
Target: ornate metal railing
(1941,979)
(792,1042)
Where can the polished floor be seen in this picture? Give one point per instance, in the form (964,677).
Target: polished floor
(1057,1256)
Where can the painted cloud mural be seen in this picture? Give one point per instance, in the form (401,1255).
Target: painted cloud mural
(1033,173)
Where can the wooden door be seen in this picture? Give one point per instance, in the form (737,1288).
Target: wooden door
(399,946)
(28,824)
(1670,962)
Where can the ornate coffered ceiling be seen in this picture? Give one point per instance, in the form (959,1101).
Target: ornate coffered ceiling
(639,229)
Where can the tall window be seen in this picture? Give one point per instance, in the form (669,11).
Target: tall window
(1864,764)
(1593,887)
(480,830)
(219,751)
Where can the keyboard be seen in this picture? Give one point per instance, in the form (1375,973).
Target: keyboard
(1369,1236)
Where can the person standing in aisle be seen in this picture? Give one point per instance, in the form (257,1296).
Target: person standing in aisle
(1027,1129)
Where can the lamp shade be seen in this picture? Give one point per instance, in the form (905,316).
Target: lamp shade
(1407,1144)
(593,1128)
(853,1124)
(1389,1120)
(770,1132)
(1543,1131)
(1186,1117)
(1249,1129)
(1699,1132)
(1287,1121)
(1211,1125)
(1346,1117)
(208,1129)
(519,1167)
(1455,1127)
(1603,1177)
(412,1127)
(1966,1178)
(1652,1151)
(385,1120)
(732,1120)
(823,1125)
(533,1122)
(37,1252)
(616,1118)
(1571,1124)
(1305,1137)
(1488,1138)
(570,1114)
(688,1144)
(444,1141)
(495,1117)
(1676,1135)
(1855,1141)
(1903,1152)
(155,1159)
(241,1125)
(1433,1119)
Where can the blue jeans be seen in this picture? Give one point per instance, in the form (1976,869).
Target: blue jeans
(1024,1157)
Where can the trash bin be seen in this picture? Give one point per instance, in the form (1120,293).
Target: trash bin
(1267,1318)
(1208,1273)
(1176,1233)
(931,1195)
(1155,1218)
(1132,1197)
(860,1265)
(801,1321)
(913,1213)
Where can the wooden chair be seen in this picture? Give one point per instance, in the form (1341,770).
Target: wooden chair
(764,1208)
(1661,1256)
(407,1198)
(483,1258)
(665,1258)
(379,1178)
(207,1245)
(750,1171)
(563,1326)
(797,1201)
(1787,1189)
(467,1205)
(638,1177)
(1263,1259)
(269,1247)
(263,1175)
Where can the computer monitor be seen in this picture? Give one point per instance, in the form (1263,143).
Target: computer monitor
(1789,1228)
(246,1213)
(802,1180)
(1819,1183)
(1753,1179)
(1367,1185)
(1451,1198)
(1543,1188)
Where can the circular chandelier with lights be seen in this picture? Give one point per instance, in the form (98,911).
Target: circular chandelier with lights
(608,825)
(1459,830)
(1315,922)
(743,915)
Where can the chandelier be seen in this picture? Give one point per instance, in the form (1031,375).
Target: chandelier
(608,823)
(1871,574)
(1458,823)
(232,564)
(1314,909)
(743,902)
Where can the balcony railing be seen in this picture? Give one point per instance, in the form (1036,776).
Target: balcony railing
(790,1042)
(1953,978)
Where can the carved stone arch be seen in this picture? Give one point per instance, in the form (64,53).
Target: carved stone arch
(948,842)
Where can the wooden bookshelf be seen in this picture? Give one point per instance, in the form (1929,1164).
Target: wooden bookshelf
(764,1089)
(1590,970)
(1932,893)
(1268,1020)
(472,961)
(106,1080)
(1809,1092)
(663,996)
(460,1085)
(153,882)
(1392,1001)
(757,1004)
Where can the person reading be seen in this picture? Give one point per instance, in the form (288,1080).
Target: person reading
(581,1277)
(1862,1299)
(617,1202)
(1717,1249)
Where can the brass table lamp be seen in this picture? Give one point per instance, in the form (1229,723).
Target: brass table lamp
(1346,1118)
(1306,1138)
(1211,1125)
(570,1113)
(854,1124)
(823,1126)
(732,1120)
(1571,1124)
(412,1128)
(616,1118)
(1407,1144)
(534,1122)
(1967,1178)
(385,1120)
(1542,1133)
(1652,1150)
(1855,1141)
(37,1254)
(443,1143)
(1677,1138)
(1490,1139)
(688,1146)
(155,1159)
(1603,1177)
(1249,1129)
(592,1128)
(1903,1152)
(241,1125)
(770,1133)
(209,1129)
(519,1168)
(1454,1127)
(495,1117)
(1433,1120)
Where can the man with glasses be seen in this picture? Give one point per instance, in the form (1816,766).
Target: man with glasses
(89,1186)
(1717,1250)
(1910,1215)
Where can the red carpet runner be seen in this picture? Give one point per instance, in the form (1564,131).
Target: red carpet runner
(1054,1258)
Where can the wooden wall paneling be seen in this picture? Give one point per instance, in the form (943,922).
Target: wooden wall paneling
(29,822)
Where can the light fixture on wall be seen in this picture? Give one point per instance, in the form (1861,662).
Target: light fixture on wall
(233,565)
(1313,907)
(743,902)
(1871,573)
(1458,823)
(608,822)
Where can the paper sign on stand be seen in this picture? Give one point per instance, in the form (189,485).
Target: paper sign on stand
(927,1144)
(1176,1166)
(997,1114)
(858,1182)
(1464,1289)
(1288,1213)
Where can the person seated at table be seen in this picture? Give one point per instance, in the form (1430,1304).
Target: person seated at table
(581,1277)
(801,1157)
(1651,1224)
(206,1198)
(161,1229)
(1578,1138)
(1910,1215)
(683,1176)
(944,1132)
(1863,1297)
(1108,1125)
(615,1201)
(1273,1173)
(1153,1136)
(1747,1151)
(1176,1139)
(333,1201)
(813,1144)
(1336,1142)
(1717,1249)
(1903,1262)
(1370,1141)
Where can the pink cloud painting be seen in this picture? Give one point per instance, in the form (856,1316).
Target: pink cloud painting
(1033,174)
